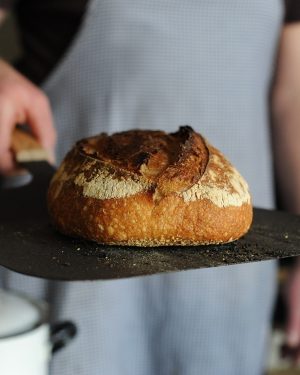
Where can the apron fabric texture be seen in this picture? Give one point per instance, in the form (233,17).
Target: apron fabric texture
(156,65)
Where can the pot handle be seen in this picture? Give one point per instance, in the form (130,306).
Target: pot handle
(61,334)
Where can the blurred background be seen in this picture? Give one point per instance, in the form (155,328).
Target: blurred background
(10,50)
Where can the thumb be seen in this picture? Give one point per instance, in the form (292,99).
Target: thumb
(51,155)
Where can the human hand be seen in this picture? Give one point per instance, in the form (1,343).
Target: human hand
(292,292)
(22,102)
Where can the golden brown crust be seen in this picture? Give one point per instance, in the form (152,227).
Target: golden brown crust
(149,188)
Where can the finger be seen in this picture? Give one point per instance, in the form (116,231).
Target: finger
(293,328)
(7,163)
(7,123)
(39,118)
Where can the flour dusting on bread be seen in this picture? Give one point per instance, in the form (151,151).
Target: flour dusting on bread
(104,186)
(149,188)
(221,183)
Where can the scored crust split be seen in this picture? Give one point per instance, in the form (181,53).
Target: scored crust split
(149,188)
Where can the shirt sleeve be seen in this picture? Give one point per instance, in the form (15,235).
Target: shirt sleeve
(6,4)
(292,11)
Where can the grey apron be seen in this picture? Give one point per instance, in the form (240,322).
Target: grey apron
(158,64)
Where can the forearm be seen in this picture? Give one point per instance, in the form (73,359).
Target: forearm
(286,119)
(286,143)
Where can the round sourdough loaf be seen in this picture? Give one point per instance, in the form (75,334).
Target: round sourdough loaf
(149,188)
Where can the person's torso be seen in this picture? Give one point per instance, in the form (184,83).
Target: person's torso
(164,63)
(159,64)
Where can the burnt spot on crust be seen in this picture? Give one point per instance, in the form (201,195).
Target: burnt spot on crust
(190,165)
(141,158)
(172,162)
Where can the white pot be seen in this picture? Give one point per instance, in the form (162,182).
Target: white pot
(27,340)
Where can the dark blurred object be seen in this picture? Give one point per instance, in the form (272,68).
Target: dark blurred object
(292,13)
(288,352)
(10,48)
(285,266)
(47,29)
(280,311)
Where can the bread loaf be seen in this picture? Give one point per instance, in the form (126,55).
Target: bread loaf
(149,188)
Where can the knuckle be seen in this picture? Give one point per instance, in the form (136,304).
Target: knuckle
(5,92)
(4,101)
(15,94)
(41,98)
(6,163)
(7,104)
